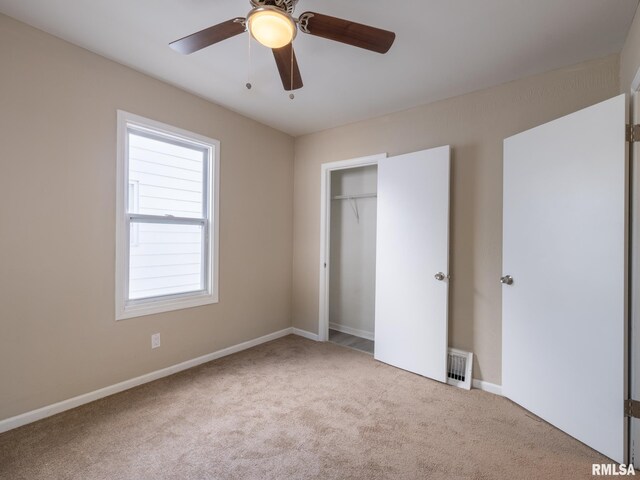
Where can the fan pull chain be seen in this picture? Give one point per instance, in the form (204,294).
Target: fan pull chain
(291,95)
(248,85)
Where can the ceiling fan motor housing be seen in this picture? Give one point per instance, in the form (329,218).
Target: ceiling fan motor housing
(284,5)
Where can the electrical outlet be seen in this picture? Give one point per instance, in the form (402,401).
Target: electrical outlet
(155,340)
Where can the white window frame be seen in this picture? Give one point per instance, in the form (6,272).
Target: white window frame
(134,188)
(126,308)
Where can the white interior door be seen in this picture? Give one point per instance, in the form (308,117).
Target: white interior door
(412,248)
(635,279)
(564,234)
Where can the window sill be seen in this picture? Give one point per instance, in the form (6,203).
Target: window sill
(168,305)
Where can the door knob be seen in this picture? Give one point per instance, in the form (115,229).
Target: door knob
(440,276)
(507,280)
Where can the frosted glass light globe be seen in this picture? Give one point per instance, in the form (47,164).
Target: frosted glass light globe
(272,27)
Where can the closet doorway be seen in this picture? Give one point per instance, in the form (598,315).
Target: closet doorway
(348,252)
(352,264)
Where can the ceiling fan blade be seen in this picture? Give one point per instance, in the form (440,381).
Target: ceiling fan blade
(284,57)
(209,36)
(345,31)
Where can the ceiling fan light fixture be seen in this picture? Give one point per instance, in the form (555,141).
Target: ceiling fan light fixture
(272,27)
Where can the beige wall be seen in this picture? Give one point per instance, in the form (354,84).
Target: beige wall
(475,125)
(630,56)
(58,334)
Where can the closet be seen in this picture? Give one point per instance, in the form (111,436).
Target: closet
(384,258)
(353,257)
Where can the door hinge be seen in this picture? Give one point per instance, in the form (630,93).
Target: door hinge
(632,408)
(633,133)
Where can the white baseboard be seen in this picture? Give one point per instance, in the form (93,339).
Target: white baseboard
(487,387)
(352,331)
(305,334)
(44,412)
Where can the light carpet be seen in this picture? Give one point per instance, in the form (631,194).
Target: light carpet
(294,409)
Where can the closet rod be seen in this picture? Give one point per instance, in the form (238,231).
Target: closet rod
(358,195)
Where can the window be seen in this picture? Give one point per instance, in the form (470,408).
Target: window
(167,235)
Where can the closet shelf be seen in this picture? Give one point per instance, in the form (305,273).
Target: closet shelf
(357,195)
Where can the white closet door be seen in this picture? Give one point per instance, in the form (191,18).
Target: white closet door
(412,250)
(563,317)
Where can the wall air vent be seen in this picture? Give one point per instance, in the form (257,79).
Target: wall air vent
(459,368)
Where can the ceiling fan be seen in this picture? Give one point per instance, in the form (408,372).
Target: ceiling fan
(271,22)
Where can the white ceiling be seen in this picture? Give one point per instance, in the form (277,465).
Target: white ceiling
(443,48)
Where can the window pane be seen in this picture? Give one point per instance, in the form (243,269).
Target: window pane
(167,259)
(169,177)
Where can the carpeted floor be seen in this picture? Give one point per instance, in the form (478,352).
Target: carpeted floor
(294,409)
